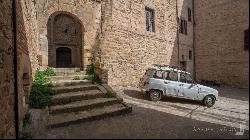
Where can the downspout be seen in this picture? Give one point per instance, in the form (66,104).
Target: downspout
(15,67)
(177,34)
(194,62)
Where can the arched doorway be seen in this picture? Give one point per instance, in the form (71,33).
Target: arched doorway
(64,41)
(63,57)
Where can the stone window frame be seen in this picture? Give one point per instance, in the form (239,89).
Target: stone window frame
(150,19)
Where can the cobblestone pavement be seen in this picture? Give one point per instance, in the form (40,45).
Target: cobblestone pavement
(232,108)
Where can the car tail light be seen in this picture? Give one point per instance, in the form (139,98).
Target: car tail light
(145,83)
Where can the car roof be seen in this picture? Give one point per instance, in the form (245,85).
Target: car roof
(167,69)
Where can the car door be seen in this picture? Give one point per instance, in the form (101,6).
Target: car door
(171,83)
(187,88)
(157,82)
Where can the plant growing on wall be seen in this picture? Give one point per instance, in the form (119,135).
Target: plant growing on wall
(90,72)
(41,90)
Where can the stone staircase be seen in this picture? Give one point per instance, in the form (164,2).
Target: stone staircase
(79,100)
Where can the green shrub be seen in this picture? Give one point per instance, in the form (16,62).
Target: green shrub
(90,72)
(49,71)
(109,94)
(90,69)
(90,77)
(77,70)
(26,120)
(77,78)
(41,90)
(25,135)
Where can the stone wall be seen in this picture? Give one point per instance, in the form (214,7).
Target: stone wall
(7,117)
(27,55)
(219,39)
(127,49)
(27,62)
(88,12)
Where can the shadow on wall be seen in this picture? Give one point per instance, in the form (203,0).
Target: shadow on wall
(24,70)
(64,35)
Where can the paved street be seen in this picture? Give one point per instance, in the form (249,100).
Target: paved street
(170,118)
(232,108)
(145,123)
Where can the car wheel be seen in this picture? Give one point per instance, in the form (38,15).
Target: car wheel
(155,95)
(209,101)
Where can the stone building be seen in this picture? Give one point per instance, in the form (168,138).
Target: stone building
(121,38)
(221,38)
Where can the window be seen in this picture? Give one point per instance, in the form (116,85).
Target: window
(170,75)
(190,55)
(183,26)
(150,20)
(158,74)
(189,15)
(186,78)
(246,39)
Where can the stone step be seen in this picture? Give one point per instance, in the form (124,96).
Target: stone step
(64,89)
(68,97)
(66,119)
(66,70)
(83,105)
(61,83)
(70,73)
(68,77)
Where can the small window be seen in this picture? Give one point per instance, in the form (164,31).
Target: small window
(190,55)
(149,20)
(170,75)
(189,15)
(158,74)
(183,26)
(246,39)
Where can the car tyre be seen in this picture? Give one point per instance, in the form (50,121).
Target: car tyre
(209,101)
(155,95)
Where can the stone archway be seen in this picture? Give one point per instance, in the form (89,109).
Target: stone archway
(64,41)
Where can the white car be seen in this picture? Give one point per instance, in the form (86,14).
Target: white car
(161,81)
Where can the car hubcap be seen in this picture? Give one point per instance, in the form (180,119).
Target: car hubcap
(209,101)
(155,95)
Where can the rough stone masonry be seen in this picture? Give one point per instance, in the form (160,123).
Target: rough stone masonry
(209,39)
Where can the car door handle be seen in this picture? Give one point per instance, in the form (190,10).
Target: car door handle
(166,82)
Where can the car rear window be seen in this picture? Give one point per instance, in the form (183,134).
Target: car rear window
(158,74)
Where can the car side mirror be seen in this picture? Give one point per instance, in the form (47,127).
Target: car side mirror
(194,83)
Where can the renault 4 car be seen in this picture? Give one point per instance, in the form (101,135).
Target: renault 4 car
(159,81)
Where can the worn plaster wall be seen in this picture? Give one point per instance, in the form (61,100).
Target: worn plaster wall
(219,39)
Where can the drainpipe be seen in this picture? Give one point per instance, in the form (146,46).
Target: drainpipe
(194,62)
(15,67)
(177,35)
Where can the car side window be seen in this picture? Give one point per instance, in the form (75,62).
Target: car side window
(158,74)
(185,78)
(182,78)
(171,75)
